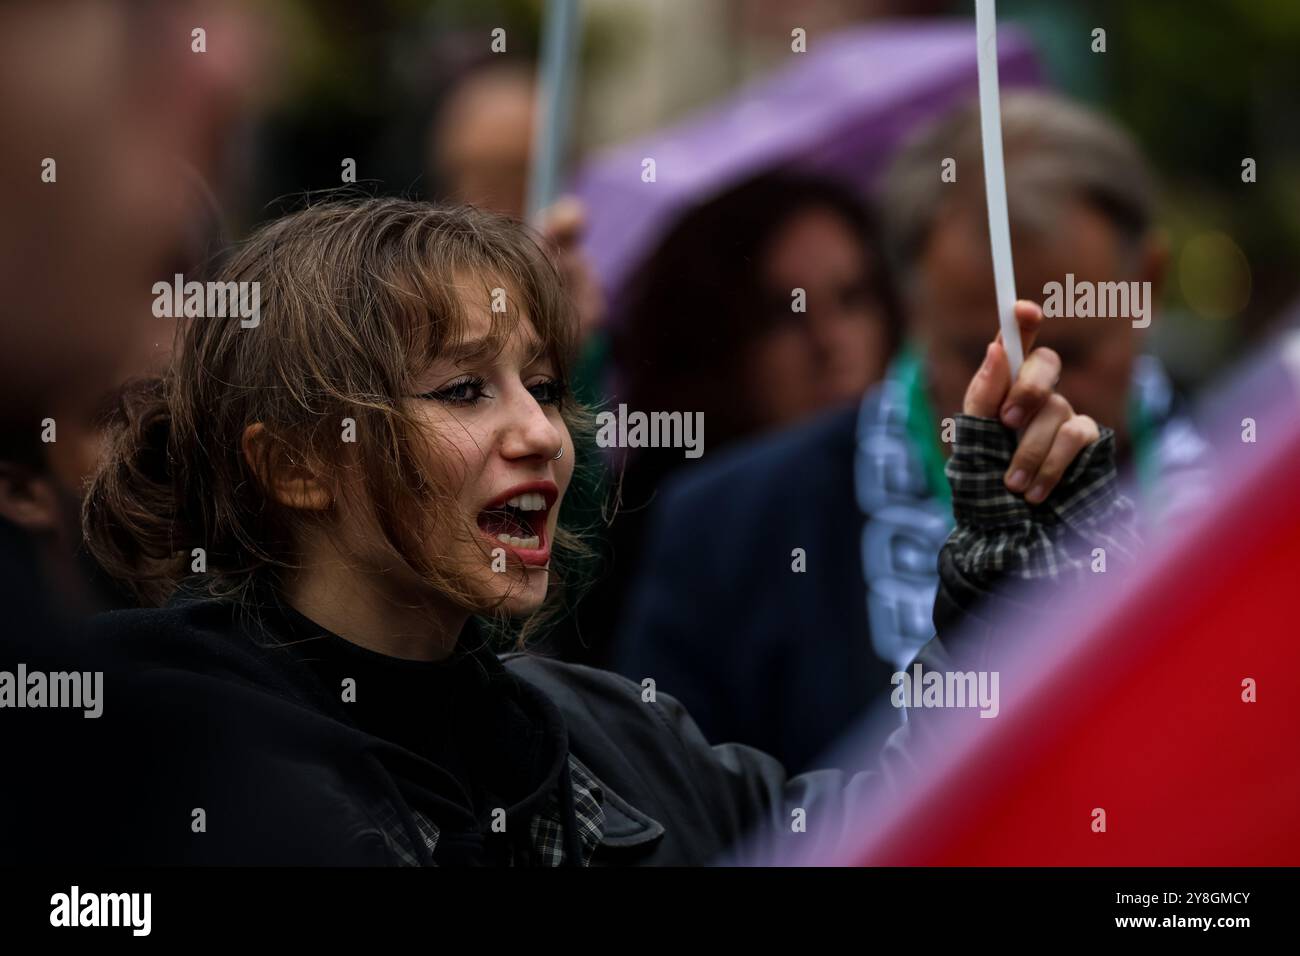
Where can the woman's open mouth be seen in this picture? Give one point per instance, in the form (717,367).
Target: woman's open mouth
(517,520)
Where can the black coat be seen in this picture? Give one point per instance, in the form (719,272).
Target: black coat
(216,720)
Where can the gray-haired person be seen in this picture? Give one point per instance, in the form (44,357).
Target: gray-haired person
(792,657)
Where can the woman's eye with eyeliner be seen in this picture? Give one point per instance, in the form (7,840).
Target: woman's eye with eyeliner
(549,392)
(465,391)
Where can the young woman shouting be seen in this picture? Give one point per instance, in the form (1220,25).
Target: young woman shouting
(339,510)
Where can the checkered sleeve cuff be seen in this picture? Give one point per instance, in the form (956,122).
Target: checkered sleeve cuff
(998,533)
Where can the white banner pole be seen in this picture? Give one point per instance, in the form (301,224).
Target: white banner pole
(995,180)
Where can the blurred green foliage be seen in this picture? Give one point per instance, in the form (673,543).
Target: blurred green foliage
(1202,86)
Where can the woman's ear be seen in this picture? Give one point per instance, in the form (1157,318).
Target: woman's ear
(289,482)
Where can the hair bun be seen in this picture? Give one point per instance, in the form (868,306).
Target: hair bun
(130,516)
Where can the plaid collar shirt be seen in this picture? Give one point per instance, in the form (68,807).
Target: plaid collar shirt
(546,829)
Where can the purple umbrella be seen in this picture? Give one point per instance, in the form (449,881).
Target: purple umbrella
(839,109)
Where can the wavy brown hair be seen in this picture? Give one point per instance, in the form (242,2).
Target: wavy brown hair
(358,297)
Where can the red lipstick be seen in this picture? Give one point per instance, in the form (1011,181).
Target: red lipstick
(521,522)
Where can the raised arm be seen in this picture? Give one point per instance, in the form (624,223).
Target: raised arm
(1032,504)
(1043,504)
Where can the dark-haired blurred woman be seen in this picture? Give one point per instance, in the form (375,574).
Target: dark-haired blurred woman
(762,306)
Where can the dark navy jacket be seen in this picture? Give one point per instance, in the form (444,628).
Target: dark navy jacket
(757,653)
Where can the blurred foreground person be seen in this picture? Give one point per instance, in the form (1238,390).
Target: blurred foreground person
(108,121)
(110,126)
(44,471)
(375,476)
(798,647)
(107,115)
